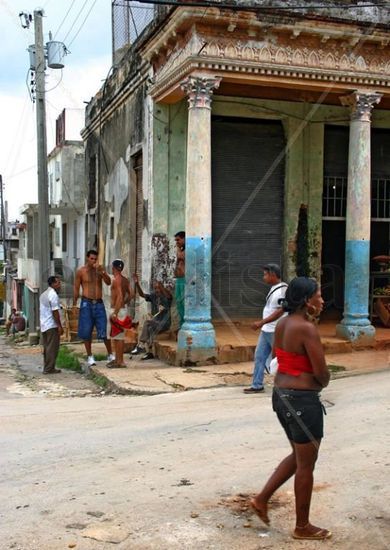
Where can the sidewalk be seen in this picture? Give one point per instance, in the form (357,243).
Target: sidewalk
(153,376)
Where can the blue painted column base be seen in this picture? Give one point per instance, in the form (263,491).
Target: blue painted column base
(196,344)
(357,334)
(356,326)
(196,338)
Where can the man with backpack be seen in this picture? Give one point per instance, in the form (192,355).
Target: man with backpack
(271,313)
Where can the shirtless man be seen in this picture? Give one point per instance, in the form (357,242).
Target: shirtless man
(180,239)
(92,311)
(121,295)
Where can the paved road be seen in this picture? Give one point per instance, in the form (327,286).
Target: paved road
(170,471)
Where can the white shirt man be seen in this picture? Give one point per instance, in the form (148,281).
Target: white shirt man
(271,314)
(50,322)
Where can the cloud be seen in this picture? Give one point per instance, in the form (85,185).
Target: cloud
(85,69)
(18,142)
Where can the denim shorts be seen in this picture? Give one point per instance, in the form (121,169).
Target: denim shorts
(300,413)
(92,315)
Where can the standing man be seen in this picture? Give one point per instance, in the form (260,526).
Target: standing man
(92,311)
(51,327)
(121,294)
(160,299)
(271,313)
(179,273)
(10,320)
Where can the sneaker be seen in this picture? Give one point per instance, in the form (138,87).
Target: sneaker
(254,390)
(110,357)
(137,350)
(147,356)
(91,361)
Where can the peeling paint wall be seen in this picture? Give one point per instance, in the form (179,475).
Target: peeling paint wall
(169,188)
(114,144)
(116,192)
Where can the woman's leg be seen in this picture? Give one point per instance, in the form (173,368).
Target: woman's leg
(283,472)
(306,456)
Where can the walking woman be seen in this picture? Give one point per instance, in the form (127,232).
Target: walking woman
(301,375)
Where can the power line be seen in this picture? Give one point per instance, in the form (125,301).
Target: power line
(82,24)
(64,19)
(21,172)
(75,20)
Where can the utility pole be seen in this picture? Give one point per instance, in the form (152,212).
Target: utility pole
(43,194)
(3,228)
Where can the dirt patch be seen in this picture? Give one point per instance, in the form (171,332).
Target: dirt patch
(239,504)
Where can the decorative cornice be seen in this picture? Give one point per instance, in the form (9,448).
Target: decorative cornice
(297,60)
(199,90)
(361,104)
(265,72)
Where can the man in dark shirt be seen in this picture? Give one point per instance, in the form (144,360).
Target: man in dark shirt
(160,299)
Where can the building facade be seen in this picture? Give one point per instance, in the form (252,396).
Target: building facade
(262,131)
(66,176)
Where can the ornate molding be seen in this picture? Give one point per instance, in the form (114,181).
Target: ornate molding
(361,104)
(299,55)
(300,60)
(199,90)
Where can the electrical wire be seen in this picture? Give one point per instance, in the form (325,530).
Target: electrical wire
(21,172)
(28,85)
(75,21)
(64,19)
(82,24)
(58,83)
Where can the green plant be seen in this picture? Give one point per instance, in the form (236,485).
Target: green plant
(336,368)
(98,380)
(66,359)
(100,357)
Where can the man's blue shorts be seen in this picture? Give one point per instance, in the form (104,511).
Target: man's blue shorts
(92,314)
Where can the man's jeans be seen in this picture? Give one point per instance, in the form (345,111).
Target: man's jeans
(263,350)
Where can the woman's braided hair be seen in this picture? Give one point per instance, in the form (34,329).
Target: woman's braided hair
(298,292)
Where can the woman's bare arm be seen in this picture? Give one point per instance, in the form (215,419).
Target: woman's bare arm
(315,352)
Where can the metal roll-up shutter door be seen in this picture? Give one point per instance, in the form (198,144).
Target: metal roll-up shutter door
(247,212)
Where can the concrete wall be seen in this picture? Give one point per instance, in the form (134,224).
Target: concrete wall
(169,184)
(120,137)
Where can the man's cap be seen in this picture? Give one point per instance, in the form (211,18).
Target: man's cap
(118,264)
(272,268)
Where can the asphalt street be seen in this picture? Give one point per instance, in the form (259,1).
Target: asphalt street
(173,471)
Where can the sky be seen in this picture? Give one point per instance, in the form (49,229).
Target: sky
(85,28)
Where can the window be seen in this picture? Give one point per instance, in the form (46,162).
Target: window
(380,199)
(92,182)
(57,170)
(64,237)
(334,198)
(112,227)
(57,236)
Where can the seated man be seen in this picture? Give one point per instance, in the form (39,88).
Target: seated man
(160,299)
(18,323)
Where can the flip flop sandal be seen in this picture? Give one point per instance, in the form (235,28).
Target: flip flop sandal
(321,534)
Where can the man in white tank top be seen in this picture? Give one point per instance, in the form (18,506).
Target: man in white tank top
(271,314)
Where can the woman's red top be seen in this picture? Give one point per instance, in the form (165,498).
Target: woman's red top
(292,363)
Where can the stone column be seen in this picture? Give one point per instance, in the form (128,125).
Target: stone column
(356,325)
(196,338)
